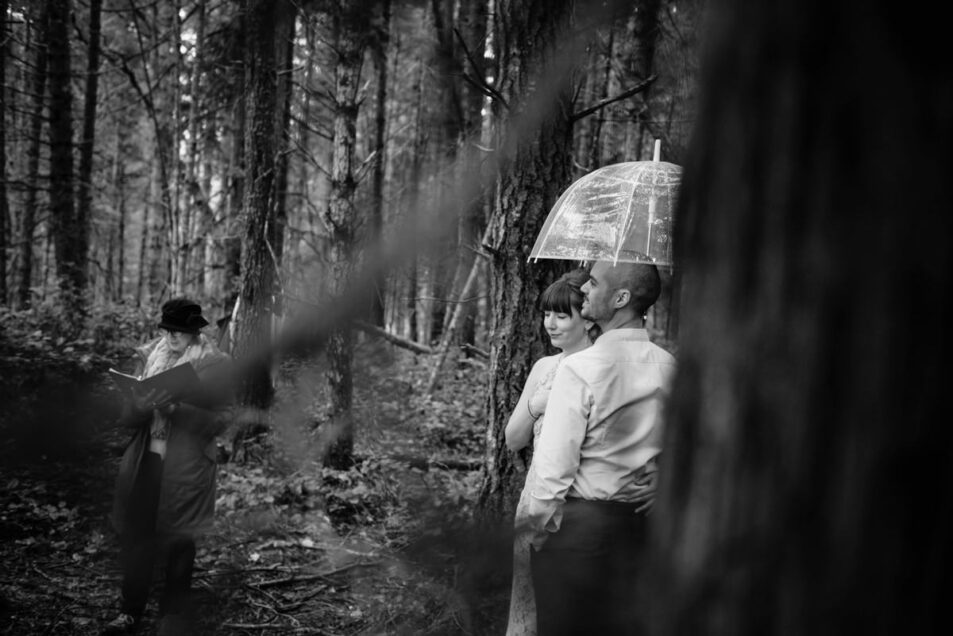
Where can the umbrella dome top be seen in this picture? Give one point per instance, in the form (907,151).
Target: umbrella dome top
(620,212)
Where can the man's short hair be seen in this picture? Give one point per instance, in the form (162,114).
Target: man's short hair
(644,283)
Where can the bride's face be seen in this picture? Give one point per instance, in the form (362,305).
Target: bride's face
(566,331)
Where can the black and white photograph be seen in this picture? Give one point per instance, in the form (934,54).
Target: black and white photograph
(475,318)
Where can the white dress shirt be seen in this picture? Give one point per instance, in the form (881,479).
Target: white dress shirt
(603,423)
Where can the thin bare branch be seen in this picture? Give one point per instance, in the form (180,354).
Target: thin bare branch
(638,88)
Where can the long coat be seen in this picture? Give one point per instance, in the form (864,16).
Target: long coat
(187,490)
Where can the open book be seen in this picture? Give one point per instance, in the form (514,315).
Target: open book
(178,382)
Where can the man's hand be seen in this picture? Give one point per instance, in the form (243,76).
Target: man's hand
(646,496)
(538,539)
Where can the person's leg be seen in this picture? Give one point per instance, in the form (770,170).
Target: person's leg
(180,560)
(628,601)
(569,575)
(138,543)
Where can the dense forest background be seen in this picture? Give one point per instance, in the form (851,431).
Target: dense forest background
(352,189)
(256,155)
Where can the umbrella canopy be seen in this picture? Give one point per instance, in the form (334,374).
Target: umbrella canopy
(621,212)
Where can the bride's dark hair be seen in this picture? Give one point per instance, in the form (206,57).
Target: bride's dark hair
(565,294)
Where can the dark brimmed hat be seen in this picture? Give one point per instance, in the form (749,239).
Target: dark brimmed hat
(182,314)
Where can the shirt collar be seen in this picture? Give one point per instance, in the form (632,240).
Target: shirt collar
(625,334)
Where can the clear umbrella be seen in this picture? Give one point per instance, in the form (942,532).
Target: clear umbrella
(621,212)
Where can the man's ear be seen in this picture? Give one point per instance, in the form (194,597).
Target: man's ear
(623,296)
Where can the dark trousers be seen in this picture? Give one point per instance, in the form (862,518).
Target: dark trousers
(585,575)
(141,546)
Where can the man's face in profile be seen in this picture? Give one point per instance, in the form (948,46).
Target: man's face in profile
(597,294)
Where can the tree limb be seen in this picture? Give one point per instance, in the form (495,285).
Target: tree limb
(480,84)
(638,88)
(374,330)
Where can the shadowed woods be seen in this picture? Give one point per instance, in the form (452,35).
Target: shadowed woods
(806,482)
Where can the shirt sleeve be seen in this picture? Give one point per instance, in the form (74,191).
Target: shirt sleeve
(556,457)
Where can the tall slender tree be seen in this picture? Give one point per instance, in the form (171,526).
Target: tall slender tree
(67,233)
(379,42)
(84,189)
(263,20)
(37,19)
(642,33)
(4,204)
(351,32)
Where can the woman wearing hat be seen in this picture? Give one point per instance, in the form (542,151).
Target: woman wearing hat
(165,490)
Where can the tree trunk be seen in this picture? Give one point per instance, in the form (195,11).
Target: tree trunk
(28,221)
(284,54)
(264,19)
(351,27)
(119,182)
(603,80)
(143,278)
(527,34)
(197,210)
(643,29)
(4,204)
(178,215)
(232,247)
(471,222)
(376,220)
(807,483)
(70,255)
(84,191)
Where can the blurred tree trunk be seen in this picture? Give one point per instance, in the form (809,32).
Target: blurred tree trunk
(142,280)
(807,483)
(404,306)
(584,129)
(232,246)
(603,81)
(28,220)
(471,222)
(84,191)
(4,204)
(376,220)
(351,26)
(642,34)
(197,212)
(284,55)
(527,34)
(263,20)
(66,230)
(119,204)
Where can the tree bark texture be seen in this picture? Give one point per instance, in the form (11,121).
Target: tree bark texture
(28,221)
(259,269)
(4,203)
(351,30)
(807,477)
(642,32)
(70,253)
(529,182)
(379,48)
(192,260)
(84,187)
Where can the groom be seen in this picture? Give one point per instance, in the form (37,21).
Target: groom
(595,464)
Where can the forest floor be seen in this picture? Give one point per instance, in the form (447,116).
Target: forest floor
(386,547)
